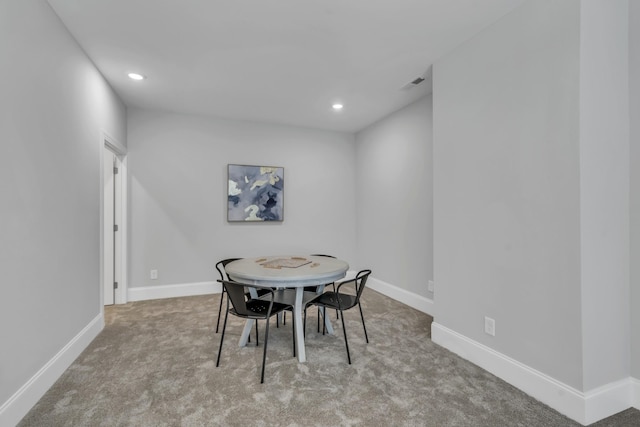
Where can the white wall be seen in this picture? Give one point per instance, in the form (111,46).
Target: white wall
(531,197)
(395,198)
(506,188)
(178,175)
(53,105)
(634,93)
(604,191)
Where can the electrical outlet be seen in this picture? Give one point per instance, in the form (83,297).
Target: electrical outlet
(430,286)
(490,326)
(153,274)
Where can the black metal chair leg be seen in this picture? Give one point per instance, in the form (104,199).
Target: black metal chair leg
(219,310)
(264,354)
(346,343)
(324,325)
(256,332)
(224,327)
(363,327)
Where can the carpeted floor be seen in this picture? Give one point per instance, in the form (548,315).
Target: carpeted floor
(154,365)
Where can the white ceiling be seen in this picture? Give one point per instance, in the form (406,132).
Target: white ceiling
(276,61)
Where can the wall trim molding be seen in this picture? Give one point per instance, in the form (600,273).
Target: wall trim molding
(583,407)
(18,405)
(608,400)
(143,293)
(411,299)
(120,151)
(112,142)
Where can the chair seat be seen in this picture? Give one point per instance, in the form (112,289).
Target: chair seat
(330,299)
(260,308)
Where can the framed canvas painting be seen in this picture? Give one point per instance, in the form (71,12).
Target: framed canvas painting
(255,193)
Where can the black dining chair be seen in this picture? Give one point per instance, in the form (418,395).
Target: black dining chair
(255,309)
(345,299)
(334,289)
(315,289)
(220,266)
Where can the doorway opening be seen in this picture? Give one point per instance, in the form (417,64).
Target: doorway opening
(113,235)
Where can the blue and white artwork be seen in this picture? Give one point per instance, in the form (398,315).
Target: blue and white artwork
(256,193)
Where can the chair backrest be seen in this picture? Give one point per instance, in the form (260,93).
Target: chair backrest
(235,292)
(220,265)
(313,288)
(360,281)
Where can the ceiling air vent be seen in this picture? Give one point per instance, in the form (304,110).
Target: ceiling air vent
(417,81)
(420,81)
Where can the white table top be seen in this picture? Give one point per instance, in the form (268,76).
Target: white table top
(263,271)
(288,271)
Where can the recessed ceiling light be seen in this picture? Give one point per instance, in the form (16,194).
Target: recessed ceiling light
(136,76)
(337,106)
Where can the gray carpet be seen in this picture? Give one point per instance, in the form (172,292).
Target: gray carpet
(154,365)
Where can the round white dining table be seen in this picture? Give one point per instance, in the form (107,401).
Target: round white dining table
(288,271)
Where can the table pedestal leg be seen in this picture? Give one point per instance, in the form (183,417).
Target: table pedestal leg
(327,321)
(248,325)
(297,318)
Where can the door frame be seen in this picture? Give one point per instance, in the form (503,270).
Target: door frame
(120,151)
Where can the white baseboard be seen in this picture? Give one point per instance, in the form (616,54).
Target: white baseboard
(416,301)
(18,405)
(635,385)
(172,291)
(585,408)
(608,400)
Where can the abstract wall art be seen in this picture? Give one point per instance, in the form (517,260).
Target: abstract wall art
(255,193)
